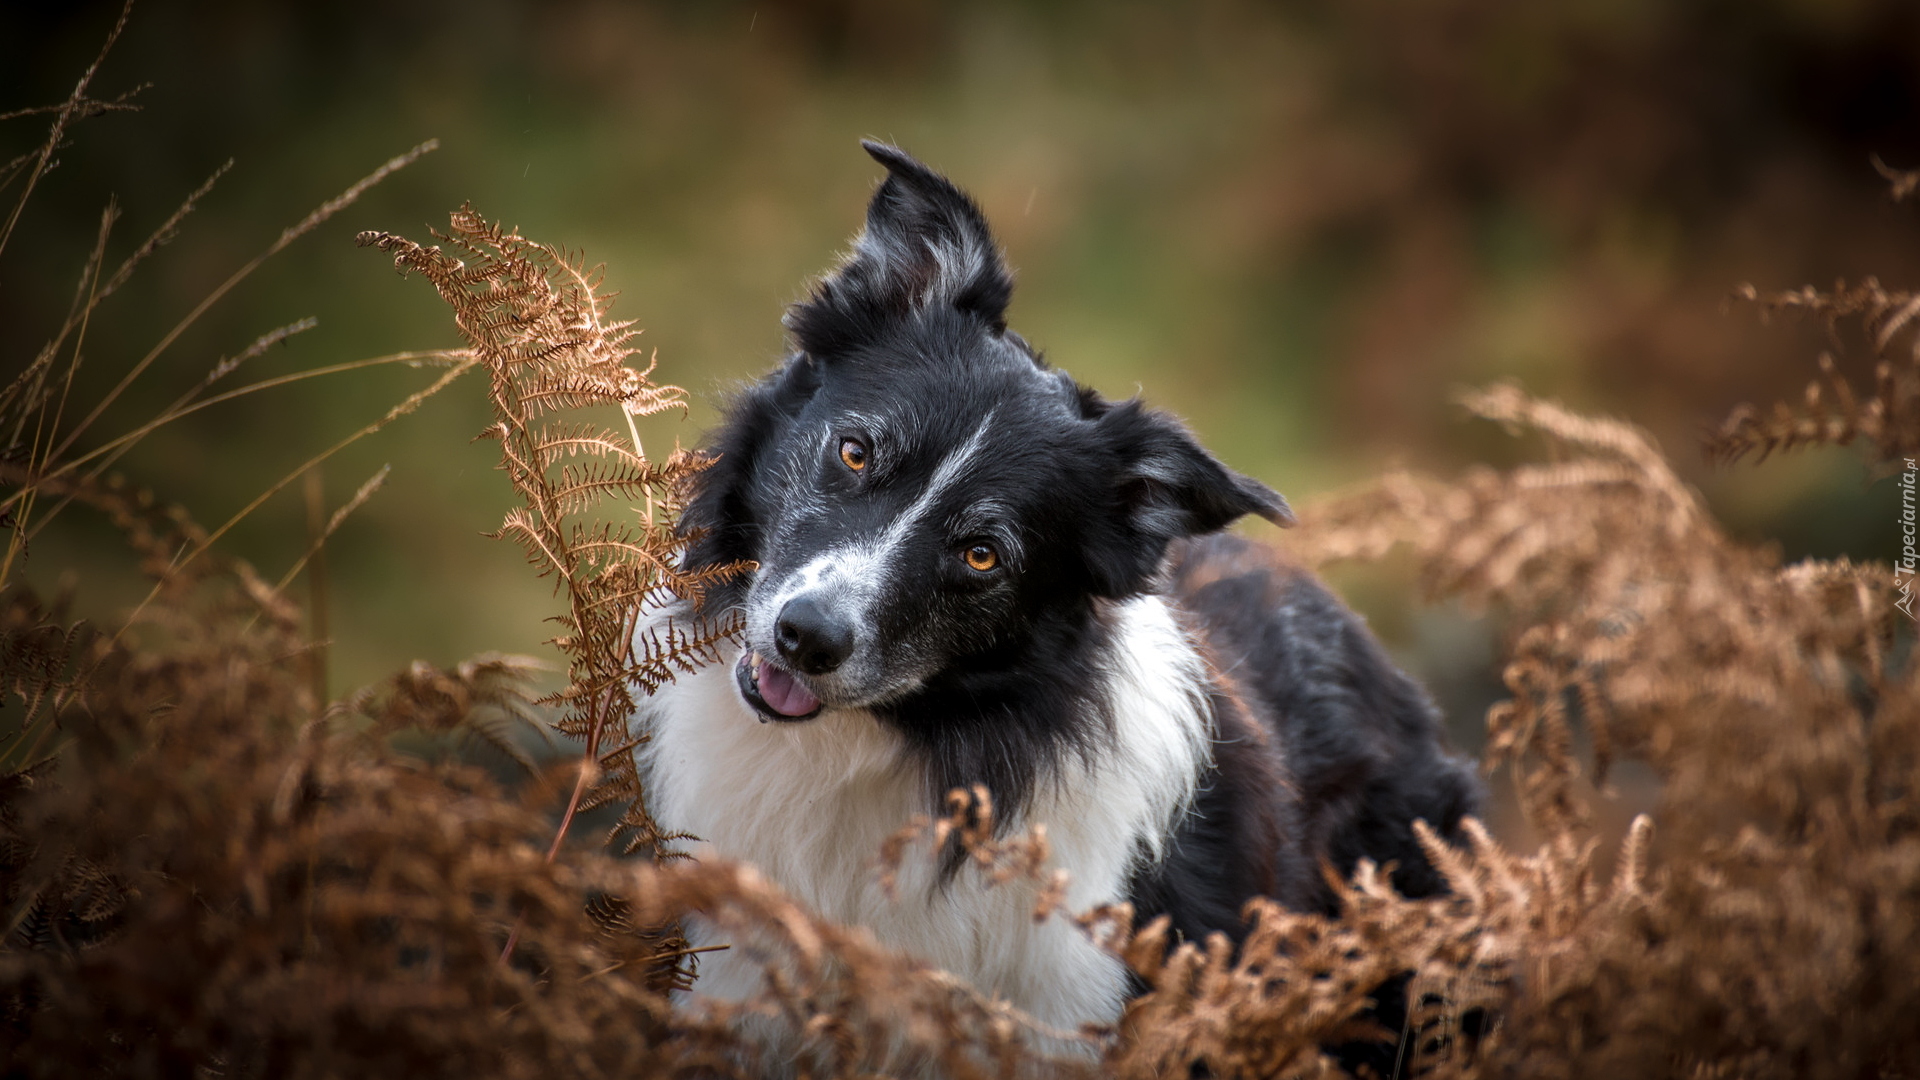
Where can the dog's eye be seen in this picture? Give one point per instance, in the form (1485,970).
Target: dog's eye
(981,557)
(853,454)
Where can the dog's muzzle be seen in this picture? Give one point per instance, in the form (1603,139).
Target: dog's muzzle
(812,640)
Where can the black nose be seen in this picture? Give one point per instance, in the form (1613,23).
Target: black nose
(810,639)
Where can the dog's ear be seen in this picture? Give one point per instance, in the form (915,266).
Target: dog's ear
(925,244)
(1165,487)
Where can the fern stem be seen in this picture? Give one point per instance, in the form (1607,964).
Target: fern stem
(589,765)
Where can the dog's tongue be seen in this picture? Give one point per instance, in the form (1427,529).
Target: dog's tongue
(783,693)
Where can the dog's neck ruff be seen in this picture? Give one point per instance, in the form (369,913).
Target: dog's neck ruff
(811,803)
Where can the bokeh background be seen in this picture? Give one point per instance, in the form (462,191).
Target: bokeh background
(1299,225)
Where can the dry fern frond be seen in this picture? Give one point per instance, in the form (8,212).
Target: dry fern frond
(966,833)
(484,698)
(535,317)
(1831,413)
(203,882)
(44,660)
(837,1004)
(1760,930)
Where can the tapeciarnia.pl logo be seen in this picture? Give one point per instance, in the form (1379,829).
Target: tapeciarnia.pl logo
(1904,569)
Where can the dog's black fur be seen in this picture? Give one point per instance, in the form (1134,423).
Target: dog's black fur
(1322,751)
(1361,749)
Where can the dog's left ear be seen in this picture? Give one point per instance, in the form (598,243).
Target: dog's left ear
(1167,487)
(925,244)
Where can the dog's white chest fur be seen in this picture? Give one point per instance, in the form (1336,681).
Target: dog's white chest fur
(811,803)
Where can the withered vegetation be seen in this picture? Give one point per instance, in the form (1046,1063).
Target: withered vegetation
(535,318)
(207,869)
(1832,414)
(1760,930)
(207,877)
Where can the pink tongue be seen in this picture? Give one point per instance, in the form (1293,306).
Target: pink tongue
(780,690)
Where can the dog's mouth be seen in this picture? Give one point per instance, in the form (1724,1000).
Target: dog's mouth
(773,691)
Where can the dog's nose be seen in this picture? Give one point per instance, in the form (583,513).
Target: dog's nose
(810,638)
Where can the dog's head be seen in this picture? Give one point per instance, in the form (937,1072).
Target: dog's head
(930,504)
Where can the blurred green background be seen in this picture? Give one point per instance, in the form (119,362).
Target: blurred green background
(1299,225)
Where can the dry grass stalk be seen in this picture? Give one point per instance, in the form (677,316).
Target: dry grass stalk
(33,410)
(78,106)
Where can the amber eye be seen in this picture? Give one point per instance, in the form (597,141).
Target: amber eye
(853,454)
(981,557)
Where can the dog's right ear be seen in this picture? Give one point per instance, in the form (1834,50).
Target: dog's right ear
(925,245)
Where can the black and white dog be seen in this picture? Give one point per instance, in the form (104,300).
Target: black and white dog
(972,570)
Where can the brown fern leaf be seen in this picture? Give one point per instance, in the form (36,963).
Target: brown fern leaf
(582,487)
(536,318)
(845,1006)
(43,656)
(483,698)
(158,532)
(252,883)
(1831,413)
(1785,736)
(583,440)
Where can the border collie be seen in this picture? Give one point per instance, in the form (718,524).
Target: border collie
(972,570)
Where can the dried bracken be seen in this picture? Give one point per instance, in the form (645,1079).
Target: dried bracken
(206,881)
(483,699)
(348,906)
(835,1003)
(1832,414)
(205,869)
(538,321)
(966,832)
(1764,932)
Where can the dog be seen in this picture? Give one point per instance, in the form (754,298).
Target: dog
(971,570)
